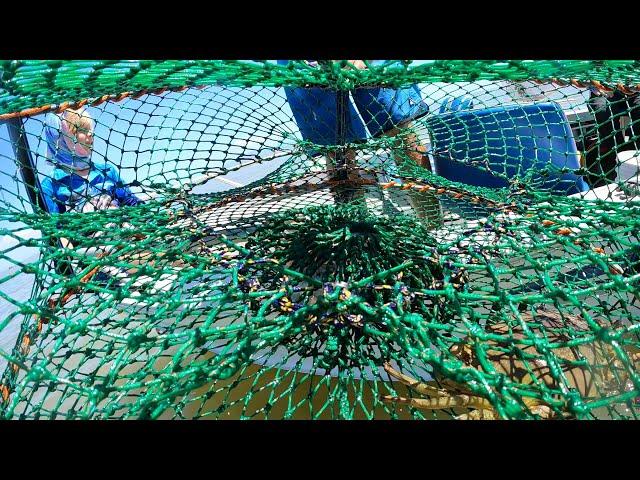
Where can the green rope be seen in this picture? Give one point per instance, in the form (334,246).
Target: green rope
(254,282)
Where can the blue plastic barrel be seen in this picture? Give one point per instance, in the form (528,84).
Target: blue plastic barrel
(531,142)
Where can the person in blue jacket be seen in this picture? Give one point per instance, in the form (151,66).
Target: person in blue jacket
(77,183)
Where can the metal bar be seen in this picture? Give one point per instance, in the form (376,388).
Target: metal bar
(22,152)
(342,102)
(344,193)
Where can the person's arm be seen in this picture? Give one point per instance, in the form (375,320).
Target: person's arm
(49,194)
(121,192)
(358,64)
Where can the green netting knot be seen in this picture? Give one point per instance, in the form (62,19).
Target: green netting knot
(137,338)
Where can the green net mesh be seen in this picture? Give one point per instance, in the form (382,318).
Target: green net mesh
(319,239)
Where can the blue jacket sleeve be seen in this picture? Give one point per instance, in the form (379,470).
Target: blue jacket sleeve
(48,193)
(121,192)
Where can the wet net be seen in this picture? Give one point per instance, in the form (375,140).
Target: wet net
(319,239)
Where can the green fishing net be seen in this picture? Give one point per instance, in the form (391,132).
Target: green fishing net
(322,240)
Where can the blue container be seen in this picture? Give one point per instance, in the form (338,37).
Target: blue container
(486,147)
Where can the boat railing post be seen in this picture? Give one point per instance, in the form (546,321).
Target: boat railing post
(28,172)
(22,152)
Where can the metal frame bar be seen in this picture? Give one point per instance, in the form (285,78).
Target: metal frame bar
(28,170)
(342,102)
